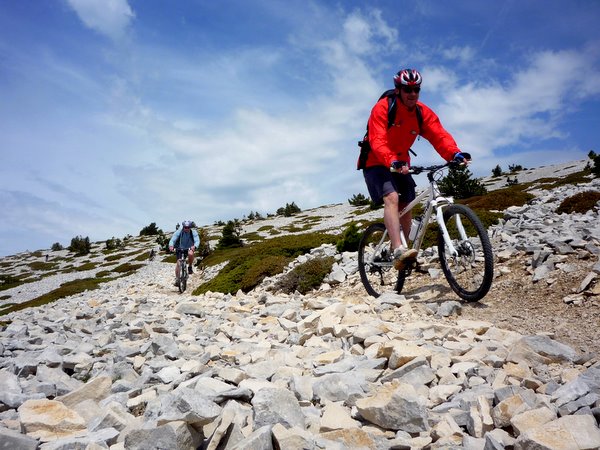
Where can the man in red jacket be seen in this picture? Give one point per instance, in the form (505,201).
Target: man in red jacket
(386,169)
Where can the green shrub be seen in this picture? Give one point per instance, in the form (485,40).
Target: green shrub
(305,277)
(499,199)
(243,259)
(86,266)
(163,242)
(497,171)
(358,200)
(127,268)
(579,203)
(288,210)
(115,257)
(350,239)
(150,230)
(66,289)
(113,243)
(253,236)
(459,183)
(595,170)
(9,282)
(514,168)
(56,247)
(231,235)
(43,266)
(266,267)
(80,245)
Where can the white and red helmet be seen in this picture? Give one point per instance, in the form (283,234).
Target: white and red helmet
(407,77)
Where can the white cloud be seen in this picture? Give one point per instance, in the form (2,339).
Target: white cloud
(108,17)
(527,104)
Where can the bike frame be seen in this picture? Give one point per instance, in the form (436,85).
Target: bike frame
(436,202)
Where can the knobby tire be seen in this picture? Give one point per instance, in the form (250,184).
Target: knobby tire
(183,276)
(380,276)
(470,274)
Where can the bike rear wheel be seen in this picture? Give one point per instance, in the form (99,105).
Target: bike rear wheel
(183,276)
(470,273)
(375,265)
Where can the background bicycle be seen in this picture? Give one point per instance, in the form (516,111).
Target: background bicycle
(181,272)
(462,243)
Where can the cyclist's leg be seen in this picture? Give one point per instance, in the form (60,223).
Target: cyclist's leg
(391,219)
(177,264)
(405,186)
(383,190)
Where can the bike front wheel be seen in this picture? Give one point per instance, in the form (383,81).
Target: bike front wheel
(375,264)
(183,276)
(470,271)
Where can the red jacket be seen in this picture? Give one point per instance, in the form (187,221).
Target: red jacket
(392,144)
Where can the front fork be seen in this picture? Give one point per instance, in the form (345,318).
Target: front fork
(439,215)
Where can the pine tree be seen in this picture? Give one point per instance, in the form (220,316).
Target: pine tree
(460,184)
(231,235)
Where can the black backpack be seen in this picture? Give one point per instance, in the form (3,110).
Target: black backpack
(364,145)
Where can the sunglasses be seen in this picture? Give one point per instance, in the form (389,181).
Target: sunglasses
(408,89)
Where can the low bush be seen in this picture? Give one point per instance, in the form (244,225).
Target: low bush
(86,266)
(43,266)
(127,268)
(266,267)
(499,199)
(65,290)
(350,239)
(242,260)
(306,277)
(114,243)
(80,245)
(579,203)
(358,200)
(150,230)
(9,282)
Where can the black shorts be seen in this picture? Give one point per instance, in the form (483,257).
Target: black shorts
(380,182)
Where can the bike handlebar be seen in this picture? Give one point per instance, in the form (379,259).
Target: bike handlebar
(420,169)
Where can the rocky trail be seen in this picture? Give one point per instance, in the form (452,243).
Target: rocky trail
(136,365)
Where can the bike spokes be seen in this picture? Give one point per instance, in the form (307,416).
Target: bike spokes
(467,260)
(375,262)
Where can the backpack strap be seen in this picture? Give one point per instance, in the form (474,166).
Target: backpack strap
(364,145)
(392,106)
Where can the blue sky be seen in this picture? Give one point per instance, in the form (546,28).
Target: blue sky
(118,113)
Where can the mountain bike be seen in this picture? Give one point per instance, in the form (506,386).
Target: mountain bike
(463,245)
(182,269)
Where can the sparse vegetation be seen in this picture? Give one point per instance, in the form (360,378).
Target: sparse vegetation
(306,277)
(358,200)
(80,245)
(499,200)
(241,261)
(288,210)
(350,239)
(231,235)
(65,290)
(114,244)
(459,183)
(579,203)
(150,230)
(596,160)
(514,168)
(9,282)
(248,265)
